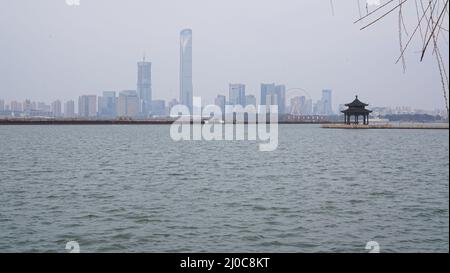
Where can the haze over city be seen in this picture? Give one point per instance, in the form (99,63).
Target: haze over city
(64,51)
(224,135)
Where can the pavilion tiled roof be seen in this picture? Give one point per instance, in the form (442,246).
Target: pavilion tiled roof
(357,103)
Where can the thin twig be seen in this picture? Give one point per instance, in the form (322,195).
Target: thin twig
(384,15)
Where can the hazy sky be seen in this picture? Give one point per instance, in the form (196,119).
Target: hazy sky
(49,50)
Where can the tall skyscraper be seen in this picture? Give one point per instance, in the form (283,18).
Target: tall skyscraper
(327,107)
(144,85)
(2,105)
(277,95)
(107,105)
(87,106)
(237,94)
(56,108)
(69,109)
(186,88)
(266,89)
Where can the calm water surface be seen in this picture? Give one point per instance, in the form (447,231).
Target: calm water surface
(131,188)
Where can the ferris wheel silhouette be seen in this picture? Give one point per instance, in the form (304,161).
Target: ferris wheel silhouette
(295,108)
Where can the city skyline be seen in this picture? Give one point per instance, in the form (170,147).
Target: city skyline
(63,52)
(139,103)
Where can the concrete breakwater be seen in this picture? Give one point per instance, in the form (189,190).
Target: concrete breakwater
(387,126)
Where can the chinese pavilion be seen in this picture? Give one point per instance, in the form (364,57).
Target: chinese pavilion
(357,109)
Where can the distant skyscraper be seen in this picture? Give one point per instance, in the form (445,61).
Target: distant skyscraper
(2,105)
(221,101)
(271,99)
(107,105)
(69,109)
(159,108)
(87,106)
(327,107)
(300,106)
(56,108)
(144,85)
(43,107)
(250,100)
(237,94)
(277,95)
(265,90)
(186,88)
(280,91)
(128,104)
(308,107)
(171,104)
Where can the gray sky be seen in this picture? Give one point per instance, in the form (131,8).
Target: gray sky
(49,50)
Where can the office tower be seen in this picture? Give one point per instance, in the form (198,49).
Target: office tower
(327,108)
(69,109)
(236,94)
(221,101)
(56,108)
(265,90)
(159,108)
(280,91)
(2,105)
(144,86)
(107,105)
(87,106)
(186,88)
(128,104)
(250,100)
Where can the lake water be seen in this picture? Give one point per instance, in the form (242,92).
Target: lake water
(132,188)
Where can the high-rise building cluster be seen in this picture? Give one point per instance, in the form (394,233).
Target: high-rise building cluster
(139,103)
(276,94)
